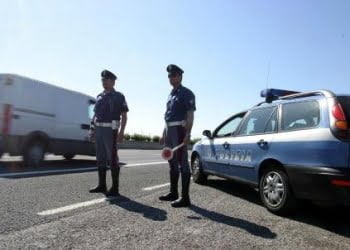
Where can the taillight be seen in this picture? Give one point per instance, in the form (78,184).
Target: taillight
(341,183)
(338,112)
(6,119)
(340,118)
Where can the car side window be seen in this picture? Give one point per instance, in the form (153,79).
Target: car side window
(256,121)
(300,115)
(272,124)
(91,111)
(229,128)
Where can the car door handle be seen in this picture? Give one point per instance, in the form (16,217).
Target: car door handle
(226,145)
(262,143)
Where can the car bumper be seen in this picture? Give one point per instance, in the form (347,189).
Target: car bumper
(320,183)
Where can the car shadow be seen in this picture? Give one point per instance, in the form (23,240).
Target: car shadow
(333,219)
(250,227)
(16,169)
(237,189)
(148,212)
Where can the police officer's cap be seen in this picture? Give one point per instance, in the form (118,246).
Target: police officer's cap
(106,74)
(174,69)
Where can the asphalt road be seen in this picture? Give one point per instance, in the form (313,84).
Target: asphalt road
(50,207)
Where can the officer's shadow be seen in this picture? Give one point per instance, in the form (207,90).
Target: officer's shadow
(250,227)
(148,212)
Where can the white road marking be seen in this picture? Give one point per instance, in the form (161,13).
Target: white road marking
(156,187)
(72,207)
(90,203)
(144,164)
(73,170)
(46,172)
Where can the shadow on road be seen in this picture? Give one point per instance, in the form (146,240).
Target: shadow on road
(335,219)
(250,227)
(245,192)
(16,170)
(148,212)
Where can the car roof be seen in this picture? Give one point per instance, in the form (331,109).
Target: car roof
(278,102)
(47,84)
(297,97)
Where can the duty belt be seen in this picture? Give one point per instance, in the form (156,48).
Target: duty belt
(114,124)
(176,123)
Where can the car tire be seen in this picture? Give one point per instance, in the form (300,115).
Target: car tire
(198,175)
(68,157)
(34,154)
(276,193)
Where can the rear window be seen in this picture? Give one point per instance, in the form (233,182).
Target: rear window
(300,115)
(345,103)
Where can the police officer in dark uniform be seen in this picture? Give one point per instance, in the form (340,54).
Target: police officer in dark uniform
(179,118)
(110,115)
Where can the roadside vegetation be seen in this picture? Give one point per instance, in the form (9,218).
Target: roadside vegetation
(147,138)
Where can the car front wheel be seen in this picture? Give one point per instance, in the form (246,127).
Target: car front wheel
(275,192)
(197,171)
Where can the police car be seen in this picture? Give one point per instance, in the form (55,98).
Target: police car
(292,146)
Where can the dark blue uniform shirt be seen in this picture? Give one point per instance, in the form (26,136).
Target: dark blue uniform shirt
(109,106)
(179,102)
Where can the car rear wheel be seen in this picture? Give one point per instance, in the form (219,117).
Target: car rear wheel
(34,154)
(275,192)
(197,171)
(68,156)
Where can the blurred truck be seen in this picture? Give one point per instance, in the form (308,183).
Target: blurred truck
(38,118)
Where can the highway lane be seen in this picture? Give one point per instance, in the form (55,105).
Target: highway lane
(55,210)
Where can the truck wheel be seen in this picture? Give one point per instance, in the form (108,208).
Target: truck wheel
(275,192)
(68,157)
(34,154)
(197,171)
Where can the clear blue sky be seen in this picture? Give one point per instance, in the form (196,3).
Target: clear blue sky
(223,46)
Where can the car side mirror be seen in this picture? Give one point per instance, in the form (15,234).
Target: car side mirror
(207,133)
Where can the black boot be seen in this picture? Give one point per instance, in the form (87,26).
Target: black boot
(102,187)
(114,191)
(173,195)
(185,199)
(169,197)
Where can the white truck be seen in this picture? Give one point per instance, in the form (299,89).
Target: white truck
(38,118)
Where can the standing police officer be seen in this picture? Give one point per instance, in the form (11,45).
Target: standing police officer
(110,114)
(179,118)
